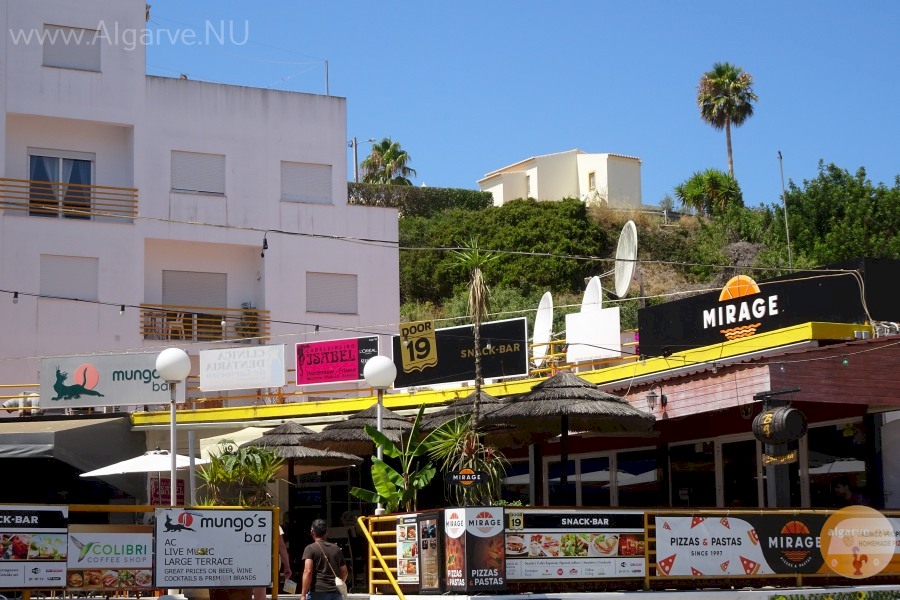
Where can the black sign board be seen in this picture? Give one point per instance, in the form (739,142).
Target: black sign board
(463,477)
(504,353)
(719,316)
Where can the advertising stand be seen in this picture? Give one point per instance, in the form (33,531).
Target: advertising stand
(430,526)
(407,549)
(474,549)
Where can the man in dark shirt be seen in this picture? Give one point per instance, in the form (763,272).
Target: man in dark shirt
(322,562)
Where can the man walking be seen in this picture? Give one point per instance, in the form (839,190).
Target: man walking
(323,562)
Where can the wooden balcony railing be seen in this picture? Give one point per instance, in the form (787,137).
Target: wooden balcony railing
(203,323)
(68,200)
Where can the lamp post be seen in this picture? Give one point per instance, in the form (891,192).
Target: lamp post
(380,373)
(173,366)
(353,144)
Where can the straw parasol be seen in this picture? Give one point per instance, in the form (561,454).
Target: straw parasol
(566,402)
(350,436)
(461,407)
(498,435)
(285,440)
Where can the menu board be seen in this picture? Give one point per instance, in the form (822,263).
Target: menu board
(213,548)
(110,558)
(429,554)
(473,547)
(33,546)
(574,544)
(407,550)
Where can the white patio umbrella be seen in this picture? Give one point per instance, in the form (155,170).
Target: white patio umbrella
(152,461)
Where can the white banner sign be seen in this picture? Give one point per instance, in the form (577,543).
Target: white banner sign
(213,548)
(242,368)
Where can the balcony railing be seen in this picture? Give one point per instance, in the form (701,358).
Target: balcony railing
(68,200)
(203,323)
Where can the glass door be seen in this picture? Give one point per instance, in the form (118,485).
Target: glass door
(739,482)
(693,474)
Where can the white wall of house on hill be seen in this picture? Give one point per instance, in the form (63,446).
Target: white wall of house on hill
(601,178)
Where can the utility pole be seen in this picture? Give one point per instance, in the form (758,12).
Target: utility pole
(355,162)
(787,230)
(353,144)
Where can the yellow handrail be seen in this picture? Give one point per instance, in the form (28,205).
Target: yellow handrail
(373,549)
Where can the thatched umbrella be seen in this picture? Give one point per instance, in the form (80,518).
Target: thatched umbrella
(566,402)
(285,440)
(349,436)
(460,407)
(498,435)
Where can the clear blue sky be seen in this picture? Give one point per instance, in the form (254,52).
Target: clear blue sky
(468,87)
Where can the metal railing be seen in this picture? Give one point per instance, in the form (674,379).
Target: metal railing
(58,199)
(368,526)
(203,323)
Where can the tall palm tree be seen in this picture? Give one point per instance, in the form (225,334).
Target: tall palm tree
(725,97)
(387,164)
(473,259)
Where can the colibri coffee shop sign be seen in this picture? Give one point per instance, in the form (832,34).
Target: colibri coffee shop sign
(104,380)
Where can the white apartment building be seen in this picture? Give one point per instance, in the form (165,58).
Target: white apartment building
(146,201)
(613,179)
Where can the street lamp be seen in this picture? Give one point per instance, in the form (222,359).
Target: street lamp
(353,144)
(173,366)
(380,373)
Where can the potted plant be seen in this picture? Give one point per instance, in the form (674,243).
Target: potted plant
(237,476)
(248,326)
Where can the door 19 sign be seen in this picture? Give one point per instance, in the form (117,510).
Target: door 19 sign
(419,349)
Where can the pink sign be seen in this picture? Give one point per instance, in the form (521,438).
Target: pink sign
(335,360)
(160,491)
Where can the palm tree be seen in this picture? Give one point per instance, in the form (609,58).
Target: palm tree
(709,191)
(725,98)
(387,164)
(473,259)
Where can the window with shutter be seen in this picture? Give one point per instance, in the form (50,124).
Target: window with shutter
(70,277)
(71,48)
(192,288)
(332,293)
(197,172)
(305,182)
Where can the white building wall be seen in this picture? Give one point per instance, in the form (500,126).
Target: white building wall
(565,175)
(596,163)
(132,123)
(558,175)
(624,181)
(113,95)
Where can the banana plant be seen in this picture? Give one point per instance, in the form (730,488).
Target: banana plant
(396,488)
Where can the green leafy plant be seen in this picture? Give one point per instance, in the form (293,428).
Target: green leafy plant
(457,446)
(248,326)
(238,476)
(398,488)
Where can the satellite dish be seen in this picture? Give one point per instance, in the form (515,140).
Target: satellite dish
(543,329)
(593,298)
(626,254)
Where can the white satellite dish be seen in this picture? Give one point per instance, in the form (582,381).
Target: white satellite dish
(543,329)
(626,255)
(593,297)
